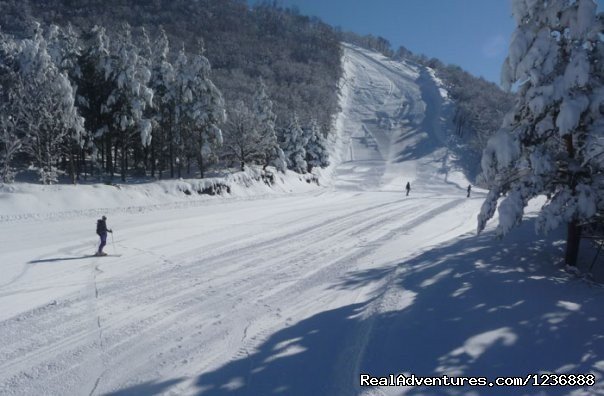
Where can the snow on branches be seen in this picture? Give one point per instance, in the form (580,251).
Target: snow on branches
(266,119)
(39,112)
(109,101)
(551,143)
(294,145)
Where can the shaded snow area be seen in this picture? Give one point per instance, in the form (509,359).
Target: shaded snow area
(298,293)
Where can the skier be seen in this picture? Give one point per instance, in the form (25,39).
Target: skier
(101,230)
(408,188)
(469,189)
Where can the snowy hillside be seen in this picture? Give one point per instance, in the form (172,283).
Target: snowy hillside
(298,294)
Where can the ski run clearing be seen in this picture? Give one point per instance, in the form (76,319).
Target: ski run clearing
(294,293)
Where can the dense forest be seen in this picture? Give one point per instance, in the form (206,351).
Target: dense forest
(159,88)
(145,87)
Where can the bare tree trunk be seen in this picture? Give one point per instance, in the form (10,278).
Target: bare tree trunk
(72,167)
(573,239)
(83,165)
(124,157)
(200,156)
(103,162)
(171,146)
(573,236)
(152,159)
(242,156)
(171,157)
(108,156)
(114,160)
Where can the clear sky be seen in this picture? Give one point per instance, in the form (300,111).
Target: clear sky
(473,34)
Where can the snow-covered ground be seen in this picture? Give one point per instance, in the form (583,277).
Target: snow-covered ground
(296,294)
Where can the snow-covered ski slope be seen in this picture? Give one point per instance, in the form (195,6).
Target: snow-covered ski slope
(299,294)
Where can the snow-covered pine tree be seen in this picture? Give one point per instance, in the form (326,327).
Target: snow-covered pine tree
(266,119)
(294,143)
(10,142)
(545,144)
(316,148)
(142,43)
(65,51)
(242,139)
(199,109)
(94,89)
(182,96)
(46,108)
(130,97)
(10,145)
(162,83)
(205,111)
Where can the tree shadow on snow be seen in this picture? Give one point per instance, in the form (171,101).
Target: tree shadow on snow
(475,307)
(146,389)
(484,307)
(422,145)
(423,136)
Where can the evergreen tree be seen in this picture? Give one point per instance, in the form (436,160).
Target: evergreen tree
(94,89)
(266,119)
(316,148)
(294,143)
(545,143)
(208,113)
(162,83)
(65,51)
(10,142)
(182,96)
(45,108)
(202,111)
(131,96)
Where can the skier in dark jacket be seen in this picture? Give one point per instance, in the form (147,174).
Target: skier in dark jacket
(469,190)
(101,230)
(408,188)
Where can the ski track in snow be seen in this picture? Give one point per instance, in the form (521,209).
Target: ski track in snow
(201,290)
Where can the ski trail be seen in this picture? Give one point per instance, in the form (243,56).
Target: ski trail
(96,313)
(351,359)
(202,287)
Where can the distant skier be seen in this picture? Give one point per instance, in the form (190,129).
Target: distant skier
(101,230)
(408,188)
(469,190)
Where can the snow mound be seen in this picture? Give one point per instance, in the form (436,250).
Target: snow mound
(21,201)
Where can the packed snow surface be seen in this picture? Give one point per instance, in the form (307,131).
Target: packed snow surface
(296,293)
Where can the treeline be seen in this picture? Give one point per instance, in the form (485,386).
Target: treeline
(132,84)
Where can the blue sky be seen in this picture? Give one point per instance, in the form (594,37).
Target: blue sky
(473,34)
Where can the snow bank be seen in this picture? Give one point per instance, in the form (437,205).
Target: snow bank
(33,201)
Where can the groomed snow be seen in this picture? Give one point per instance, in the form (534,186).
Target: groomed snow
(294,293)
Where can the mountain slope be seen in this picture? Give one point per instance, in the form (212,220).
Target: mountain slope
(300,294)
(397,121)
